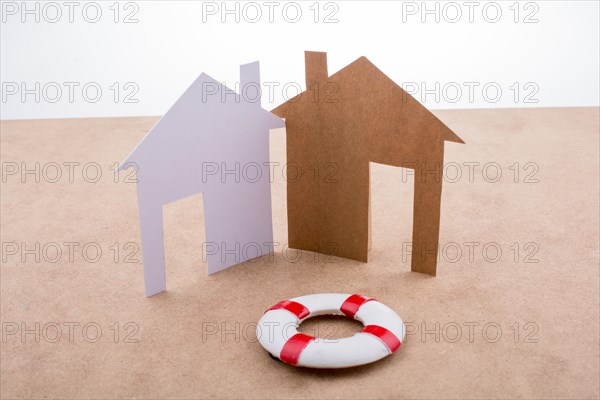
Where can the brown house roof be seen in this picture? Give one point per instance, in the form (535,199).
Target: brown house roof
(362,91)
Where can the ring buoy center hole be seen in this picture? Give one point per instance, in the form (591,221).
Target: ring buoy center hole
(330,326)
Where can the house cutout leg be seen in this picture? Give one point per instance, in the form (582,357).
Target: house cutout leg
(153,247)
(426,221)
(370,229)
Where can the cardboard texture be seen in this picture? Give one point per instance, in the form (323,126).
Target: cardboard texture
(215,142)
(335,129)
(196,340)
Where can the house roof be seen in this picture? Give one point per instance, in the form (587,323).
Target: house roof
(201,110)
(364,69)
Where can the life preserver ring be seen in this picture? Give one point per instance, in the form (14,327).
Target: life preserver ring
(382,335)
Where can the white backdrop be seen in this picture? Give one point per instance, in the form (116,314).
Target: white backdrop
(81,59)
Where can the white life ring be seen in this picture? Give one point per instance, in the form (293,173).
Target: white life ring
(382,335)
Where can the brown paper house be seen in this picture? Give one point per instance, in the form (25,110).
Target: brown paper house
(337,127)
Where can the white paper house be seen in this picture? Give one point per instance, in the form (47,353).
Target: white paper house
(210,129)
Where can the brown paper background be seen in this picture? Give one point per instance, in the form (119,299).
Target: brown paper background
(560,293)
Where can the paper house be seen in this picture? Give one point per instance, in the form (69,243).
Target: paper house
(212,141)
(337,127)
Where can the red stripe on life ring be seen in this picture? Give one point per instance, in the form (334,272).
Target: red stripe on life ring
(293,347)
(387,337)
(291,306)
(353,303)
